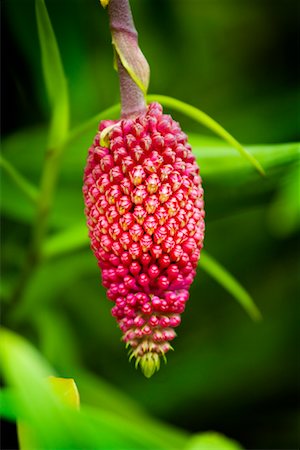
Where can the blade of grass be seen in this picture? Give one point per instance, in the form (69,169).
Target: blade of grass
(54,77)
(24,185)
(204,119)
(230,284)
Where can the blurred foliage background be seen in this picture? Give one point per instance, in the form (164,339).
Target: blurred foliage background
(237,62)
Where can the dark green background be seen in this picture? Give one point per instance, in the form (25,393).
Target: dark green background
(236,60)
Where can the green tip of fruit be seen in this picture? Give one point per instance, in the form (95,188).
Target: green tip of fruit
(149,364)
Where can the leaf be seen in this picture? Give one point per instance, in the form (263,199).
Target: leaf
(8,408)
(230,284)
(216,159)
(54,76)
(23,370)
(68,240)
(211,441)
(286,205)
(53,329)
(66,390)
(24,185)
(49,281)
(207,121)
(53,425)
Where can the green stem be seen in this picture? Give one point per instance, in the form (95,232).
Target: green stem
(44,203)
(24,185)
(45,200)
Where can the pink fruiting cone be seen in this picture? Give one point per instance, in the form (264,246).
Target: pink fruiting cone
(144,208)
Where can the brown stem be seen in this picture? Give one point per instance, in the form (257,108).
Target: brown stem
(124,33)
(132,98)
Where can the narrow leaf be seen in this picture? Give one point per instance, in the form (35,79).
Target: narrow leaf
(68,240)
(211,441)
(225,279)
(204,119)
(24,185)
(54,77)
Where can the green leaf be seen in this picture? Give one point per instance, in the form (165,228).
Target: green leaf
(42,290)
(211,441)
(54,76)
(53,330)
(51,424)
(230,284)
(68,240)
(286,204)
(23,370)
(66,390)
(8,408)
(207,121)
(216,159)
(24,185)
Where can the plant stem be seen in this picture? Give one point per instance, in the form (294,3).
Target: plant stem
(132,98)
(124,33)
(44,203)
(26,187)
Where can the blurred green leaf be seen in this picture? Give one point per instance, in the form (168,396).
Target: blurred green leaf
(225,279)
(68,240)
(217,160)
(23,370)
(53,425)
(63,389)
(54,76)
(53,329)
(24,185)
(49,281)
(8,404)
(286,205)
(211,441)
(208,122)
